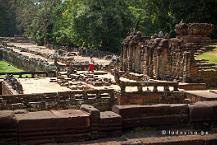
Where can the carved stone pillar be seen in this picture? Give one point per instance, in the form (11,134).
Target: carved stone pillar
(158,64)
(145,58)
(186,67)
(124,58)
(128,58)
(150,62)
(130,61)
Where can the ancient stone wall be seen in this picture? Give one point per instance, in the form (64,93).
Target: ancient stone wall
(166,114)
(59,100)
(26,63)
(57,125)
(164,58)
(151,98)
(210,77)
(87,123)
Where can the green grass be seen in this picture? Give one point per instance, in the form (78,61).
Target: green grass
(211,56)
(6,67)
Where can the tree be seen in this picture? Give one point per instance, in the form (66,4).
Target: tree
(7,19)
(103,23)
(99,24)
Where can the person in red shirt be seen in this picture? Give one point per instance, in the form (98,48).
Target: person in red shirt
(91,65)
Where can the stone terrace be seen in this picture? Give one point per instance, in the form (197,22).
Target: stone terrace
(55,110)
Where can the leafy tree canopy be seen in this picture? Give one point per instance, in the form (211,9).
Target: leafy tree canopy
(99,24)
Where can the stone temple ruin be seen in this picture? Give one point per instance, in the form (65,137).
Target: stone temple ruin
(170,59)
(159,85)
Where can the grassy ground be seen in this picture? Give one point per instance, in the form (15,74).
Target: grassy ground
(6,67)
(211,56)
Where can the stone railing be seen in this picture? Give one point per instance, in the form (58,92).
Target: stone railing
(154,84)
(102,99)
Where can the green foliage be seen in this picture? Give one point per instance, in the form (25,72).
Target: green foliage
(102,24)
(6,67)
(7,19)
(99,24)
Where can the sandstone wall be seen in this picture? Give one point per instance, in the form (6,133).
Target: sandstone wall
(152,115)
(166,114)
(23,127)
(209,77)
(26,63)
(151,98)
(166,58)
(60,100)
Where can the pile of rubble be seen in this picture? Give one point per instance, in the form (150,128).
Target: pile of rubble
(81,81)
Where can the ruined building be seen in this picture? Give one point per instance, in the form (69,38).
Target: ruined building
(168,58)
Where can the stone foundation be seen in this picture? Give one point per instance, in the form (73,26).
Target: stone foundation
(151,98)
(203,111)
(56,126)
(169,59)
(59,100)
(152,115)
(26,63)
(209,77)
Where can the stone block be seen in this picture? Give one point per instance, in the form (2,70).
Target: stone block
(94,118)
(110,124)
(53,126)
(152,115)
(72,118)
(132,111)
(91,110)
(203,111)
(7,120)
(155,121)
(8,127)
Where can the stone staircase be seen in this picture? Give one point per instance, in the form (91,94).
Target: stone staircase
(204,65)
(206,48)
(207,72)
